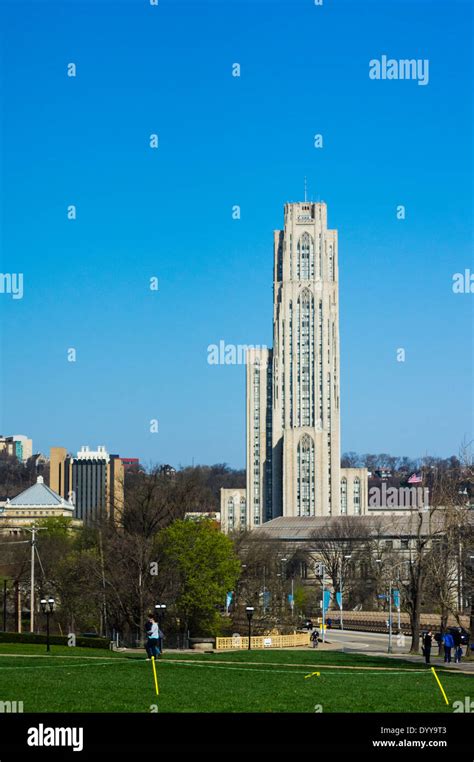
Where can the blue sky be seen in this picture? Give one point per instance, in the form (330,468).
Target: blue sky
(142,355)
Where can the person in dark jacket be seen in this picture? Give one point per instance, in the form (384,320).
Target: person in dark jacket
(456,637)
(314,638)
(427,641)
(448,643)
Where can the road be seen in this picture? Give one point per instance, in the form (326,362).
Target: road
(353,640)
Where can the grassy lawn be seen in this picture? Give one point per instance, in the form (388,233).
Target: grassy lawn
(90,680)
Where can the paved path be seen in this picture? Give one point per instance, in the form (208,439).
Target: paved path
(376,644)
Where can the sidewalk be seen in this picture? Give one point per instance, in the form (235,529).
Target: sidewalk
(465,667)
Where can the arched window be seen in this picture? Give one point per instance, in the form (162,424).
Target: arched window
(305,487)
(343,495)
(356,495)
(305,258)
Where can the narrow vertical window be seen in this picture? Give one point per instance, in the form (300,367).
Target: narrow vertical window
(356,496)
(343,495)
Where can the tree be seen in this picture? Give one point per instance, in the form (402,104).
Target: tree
(350,460)
(431,527)
(269,572)
(151,502)
(444,565)
(201,567)
(333,544)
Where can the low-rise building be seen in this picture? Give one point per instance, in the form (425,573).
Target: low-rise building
(18,446)
(34,504)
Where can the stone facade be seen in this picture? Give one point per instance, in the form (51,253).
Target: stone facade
(293,398)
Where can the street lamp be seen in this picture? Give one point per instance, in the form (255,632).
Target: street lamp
(346,557)
(292,599)
(249,611)
(390,591)
(47,607)
(160,608)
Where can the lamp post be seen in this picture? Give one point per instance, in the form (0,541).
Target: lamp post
(292,599)
(264,594)
(347,557)
(390,593)
(249,611)
(321,571)
(47,607)
(160,608)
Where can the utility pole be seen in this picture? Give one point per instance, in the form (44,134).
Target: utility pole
(340,590)
(32,583)
(390,618)
(4,605)
(17,606)
(323,570)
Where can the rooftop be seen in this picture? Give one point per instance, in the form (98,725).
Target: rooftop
(39,494)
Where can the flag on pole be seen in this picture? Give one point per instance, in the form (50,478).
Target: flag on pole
(339,600)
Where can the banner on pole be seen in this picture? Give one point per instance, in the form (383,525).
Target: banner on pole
(339,599)
(326,599)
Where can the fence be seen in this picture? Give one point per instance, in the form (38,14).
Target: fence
(263,641)
(376,621)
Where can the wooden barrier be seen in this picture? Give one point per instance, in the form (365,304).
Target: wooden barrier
(263,641)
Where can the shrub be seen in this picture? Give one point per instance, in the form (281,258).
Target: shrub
(55,640)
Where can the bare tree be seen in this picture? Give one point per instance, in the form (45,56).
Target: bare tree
(430,532)
(265,582)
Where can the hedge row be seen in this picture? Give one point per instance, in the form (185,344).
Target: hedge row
(55,640)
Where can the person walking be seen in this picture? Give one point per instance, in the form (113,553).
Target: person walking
(153,633)
(314,638)
(427,641)
(457,654)
(448,643)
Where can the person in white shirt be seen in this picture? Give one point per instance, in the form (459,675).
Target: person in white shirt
(153,635)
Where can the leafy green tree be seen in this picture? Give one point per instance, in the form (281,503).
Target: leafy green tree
(201,566)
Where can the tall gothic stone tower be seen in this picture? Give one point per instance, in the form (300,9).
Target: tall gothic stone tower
(293,428)
(293,416)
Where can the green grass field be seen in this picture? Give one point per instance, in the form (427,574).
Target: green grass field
(89,680)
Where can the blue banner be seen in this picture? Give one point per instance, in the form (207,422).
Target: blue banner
(339,599)
(396,598)
(228,599)
(326,599)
